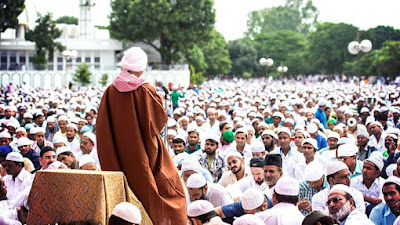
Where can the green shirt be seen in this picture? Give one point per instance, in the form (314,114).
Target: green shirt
(175,96)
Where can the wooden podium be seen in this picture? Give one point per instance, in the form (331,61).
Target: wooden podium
(79,197)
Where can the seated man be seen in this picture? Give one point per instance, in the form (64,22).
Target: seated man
(347,154)
(24,146)
(202,212)
(237,169)
(211,159)
(47,157)
(65,156)
(125,213)
(198,188)
(86,162)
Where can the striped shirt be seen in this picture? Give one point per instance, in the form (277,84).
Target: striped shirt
(306,191)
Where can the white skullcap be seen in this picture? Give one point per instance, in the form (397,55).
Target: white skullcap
(279,114)
(252,198)
(347,150)
(73,126)
(39,129)
(134,59)
(33,130)
(171,132)
(334,134)
(390,169)
(28,115)
(179,159)
(392,179)
(262,124)
(51,119)
(24,141)
(304,133)
(241,123)
(171,122)
(59,139)
(270,133)
(310,141)
(212,137)
(364,109)
(312,128)
(241,130)
(20,129)
(15,157)
(90,135)
(55,165)
(334,167)
(199,207)
(248,219)
(128,212)
(289,120)
(190,164)
(85,159)
(13,124)
(313,171)
(62,118)
(62,149)
(196,181)
(287,186)
(258,146)
(5,134)
(234,153)
(378,162)
(344,140)
(341,187)
(284,130)
(338,127)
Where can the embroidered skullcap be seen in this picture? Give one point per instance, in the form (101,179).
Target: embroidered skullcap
(313,171)
(199,207)
(310,141)
(258,146)
(248,219)
(252,198)
(287,186)
(15,157)
(24,141)
(347,150)
(334,167)
(134,59)
(85,159)
(128,212)
(196,181)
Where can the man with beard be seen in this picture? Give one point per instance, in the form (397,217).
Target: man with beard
(377,135)
(237,169)
(211,159)
(198,188)
(386,212)
(267,138)
(51,128)
(72,140)
(193,141)
(342,207)
(272,172)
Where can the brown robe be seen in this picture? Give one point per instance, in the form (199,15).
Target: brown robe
(128,139)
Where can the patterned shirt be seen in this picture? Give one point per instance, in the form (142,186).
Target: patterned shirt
(217,166)
(306,191)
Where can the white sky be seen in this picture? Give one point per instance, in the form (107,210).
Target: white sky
(231,15)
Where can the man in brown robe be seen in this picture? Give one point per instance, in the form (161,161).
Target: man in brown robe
(130,119)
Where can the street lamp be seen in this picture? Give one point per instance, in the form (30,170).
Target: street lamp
(282,69)
(69,55)
(267,63)
(355,48)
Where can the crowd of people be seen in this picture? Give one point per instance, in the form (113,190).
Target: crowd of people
(248,151)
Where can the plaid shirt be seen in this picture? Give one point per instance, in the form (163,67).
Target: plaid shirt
(306,191)
(217,166)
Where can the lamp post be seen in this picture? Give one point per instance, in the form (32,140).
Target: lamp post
(69,55)
(267,63)
(282,69)
(355,48)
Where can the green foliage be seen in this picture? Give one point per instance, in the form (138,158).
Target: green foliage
(39,61)
(9,12)
(388,59)
(102,27)
(104,79)
(296,15)
(247,75)
(67,20)
(380,34)
(328,46)
(44,36)
(216,55)
(243,54)
(196,77)
(82,74)
(178,25)
(195,58)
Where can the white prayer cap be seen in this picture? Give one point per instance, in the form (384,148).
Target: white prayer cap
(179,159)
(15,157)
(20,129)
(39,129)
(85,159)
(196,181)
(24,141)
(278,114)
(134,59)
(390,169)
(51,119)
(262,124)
(378,162)
(241,123)
(171,132)
(5,134)
(289,120)
(310,141)
(55,165)
(258,146)
(334,134)
(321,103)
(304,133)
(212,137)
(383,109)
(369,120)
(362,132)
(334,167)
(171,122)
(28,115)
(190,164)
(62,149)
(364,110)
(284,130)
(313,171)
(59,139)
(347,150)
(248,219)
(234,153)
(312,128)
(62,118)
(73,126)
(392,179)
(252,198)
(13,124)
(241,130)
(199,118)
(339,128)
(348,112)
(199,207)
(90,135)
(287,186)
(341,187)
(270,133)
(128,212)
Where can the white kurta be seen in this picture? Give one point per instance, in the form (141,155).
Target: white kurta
(282,214)
(17,186)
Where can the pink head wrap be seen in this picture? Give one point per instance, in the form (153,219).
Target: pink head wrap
(134,59)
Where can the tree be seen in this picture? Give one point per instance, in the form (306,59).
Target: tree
(327,47)
(176,25)
(67,20)
(387,61)
(104,79)
(217,55)
(9,12)
(243,55)
(296,15)
(82,74)
(380,34)
(44,36)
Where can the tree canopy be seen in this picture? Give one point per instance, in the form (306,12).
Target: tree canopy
(9,12)
(67,20)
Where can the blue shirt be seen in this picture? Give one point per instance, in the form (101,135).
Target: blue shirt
(357,170)
(381,215)
(195,149)
(322,143)
(321,116)
(232,210)
(34,157)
